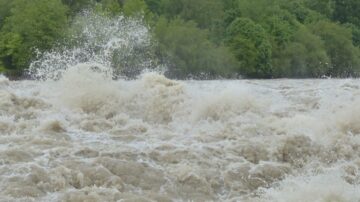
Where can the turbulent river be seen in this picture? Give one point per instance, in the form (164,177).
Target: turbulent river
(74,133)
(89,138)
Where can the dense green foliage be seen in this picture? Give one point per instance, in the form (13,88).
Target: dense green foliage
(30,24)
(252,38)
(185,48)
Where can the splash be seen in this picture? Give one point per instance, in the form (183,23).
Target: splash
(122,45)
(327,185)
(3,80)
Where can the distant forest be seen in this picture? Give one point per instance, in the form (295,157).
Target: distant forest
(219,38)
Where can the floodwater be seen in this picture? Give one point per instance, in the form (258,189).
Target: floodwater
(86,137)
(75,134)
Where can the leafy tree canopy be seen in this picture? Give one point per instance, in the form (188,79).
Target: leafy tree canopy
(252,38)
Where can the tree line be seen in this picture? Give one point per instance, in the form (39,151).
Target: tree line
(251,38)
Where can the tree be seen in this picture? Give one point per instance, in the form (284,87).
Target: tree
(5,7)
(187,50)
(304,56)
(307,12)
(344,56)
(355,34)
(280,30)
(135,7)
(78,5)
(347,11)
(249,43)
(206,13)
(155,6)
(32,24)
(111,7)
(324,7)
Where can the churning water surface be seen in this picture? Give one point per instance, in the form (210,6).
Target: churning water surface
(76,134)
(89,138)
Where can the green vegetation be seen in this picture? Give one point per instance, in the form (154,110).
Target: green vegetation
(30,24)
(186,50)
(252,38)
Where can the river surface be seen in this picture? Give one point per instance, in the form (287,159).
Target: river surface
(87,138)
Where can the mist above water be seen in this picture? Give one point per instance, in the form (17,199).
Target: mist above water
(76,134)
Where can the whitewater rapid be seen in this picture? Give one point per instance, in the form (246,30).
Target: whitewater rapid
(87,137)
